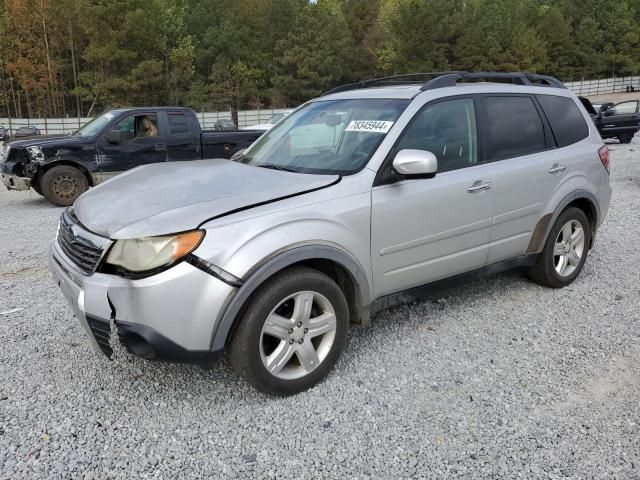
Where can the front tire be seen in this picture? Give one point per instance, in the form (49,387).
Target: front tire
(292,332)
(565,251)
(61,185)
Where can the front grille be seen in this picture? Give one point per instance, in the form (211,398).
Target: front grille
(85,257)
(101,332)
(83,248)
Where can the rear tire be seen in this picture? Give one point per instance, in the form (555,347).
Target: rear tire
(61,185)
(292,332)
(565,250)
(626,138)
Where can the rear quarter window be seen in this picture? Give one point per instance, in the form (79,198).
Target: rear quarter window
(566,121)
(178,124)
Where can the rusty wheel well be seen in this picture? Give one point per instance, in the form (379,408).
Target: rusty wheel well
(587,207)
(41,171)
(589,210)
(539,237)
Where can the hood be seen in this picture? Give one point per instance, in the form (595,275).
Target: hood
(173,197)
(44,141)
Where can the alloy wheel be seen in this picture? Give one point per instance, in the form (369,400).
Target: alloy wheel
(568,248)
(298,335)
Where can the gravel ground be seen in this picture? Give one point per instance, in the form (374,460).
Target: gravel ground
(499,378)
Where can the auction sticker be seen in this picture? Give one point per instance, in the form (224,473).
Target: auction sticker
(374,126)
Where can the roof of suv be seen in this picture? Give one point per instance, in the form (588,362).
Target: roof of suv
(410,91)
(409,85)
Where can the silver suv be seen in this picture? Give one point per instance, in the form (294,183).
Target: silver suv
(370,195)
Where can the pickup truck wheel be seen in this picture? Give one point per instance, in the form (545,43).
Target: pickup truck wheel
(565,251)
(61,185)
(626,138)
(292,332)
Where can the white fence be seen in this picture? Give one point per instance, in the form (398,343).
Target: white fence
(605,86)
(207,120)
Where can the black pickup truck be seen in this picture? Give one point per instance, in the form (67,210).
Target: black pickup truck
(62,167)
(621,121)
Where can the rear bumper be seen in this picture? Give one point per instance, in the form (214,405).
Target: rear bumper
(14,182)
(170,316)
(604,200)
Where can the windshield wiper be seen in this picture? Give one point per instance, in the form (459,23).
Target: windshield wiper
(277,167)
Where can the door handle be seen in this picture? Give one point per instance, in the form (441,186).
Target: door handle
(557,169)
(161,147)
(479,187)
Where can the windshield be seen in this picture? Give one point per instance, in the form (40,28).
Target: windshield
(327,137)
(96,125)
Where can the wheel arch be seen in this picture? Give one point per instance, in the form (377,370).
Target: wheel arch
(341,266)
(582,199)
(57,163)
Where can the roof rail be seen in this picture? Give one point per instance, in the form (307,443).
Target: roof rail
(403,79)
(516,78)
(450,79)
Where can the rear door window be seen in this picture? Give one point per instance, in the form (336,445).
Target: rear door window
(514,127)
(566,121)
(178,124)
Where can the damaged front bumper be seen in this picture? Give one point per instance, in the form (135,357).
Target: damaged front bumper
(14,182)
(169,316)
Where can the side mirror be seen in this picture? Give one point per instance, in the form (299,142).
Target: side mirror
(416,163)
(609,112)
(115,136)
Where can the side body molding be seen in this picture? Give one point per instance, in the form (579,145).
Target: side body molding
(281,260)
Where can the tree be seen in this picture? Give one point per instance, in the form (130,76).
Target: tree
(138,52)
(420,34)
(82,56)
(31,57)
(313,56)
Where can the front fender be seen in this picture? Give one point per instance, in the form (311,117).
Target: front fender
(270,238)
(280,261)
(81,157)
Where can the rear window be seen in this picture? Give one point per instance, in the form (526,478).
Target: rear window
(515,127)
(178,124)
(566,121)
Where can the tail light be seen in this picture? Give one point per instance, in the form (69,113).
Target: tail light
(604,156)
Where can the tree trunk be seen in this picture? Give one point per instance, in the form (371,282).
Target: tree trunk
(75,71)
(52,88)
(26,94)
(17,112)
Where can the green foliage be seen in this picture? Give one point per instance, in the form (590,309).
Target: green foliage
(314,55)
(64,56)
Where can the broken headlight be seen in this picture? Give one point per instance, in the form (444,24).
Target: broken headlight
(150,253)
(35,154)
